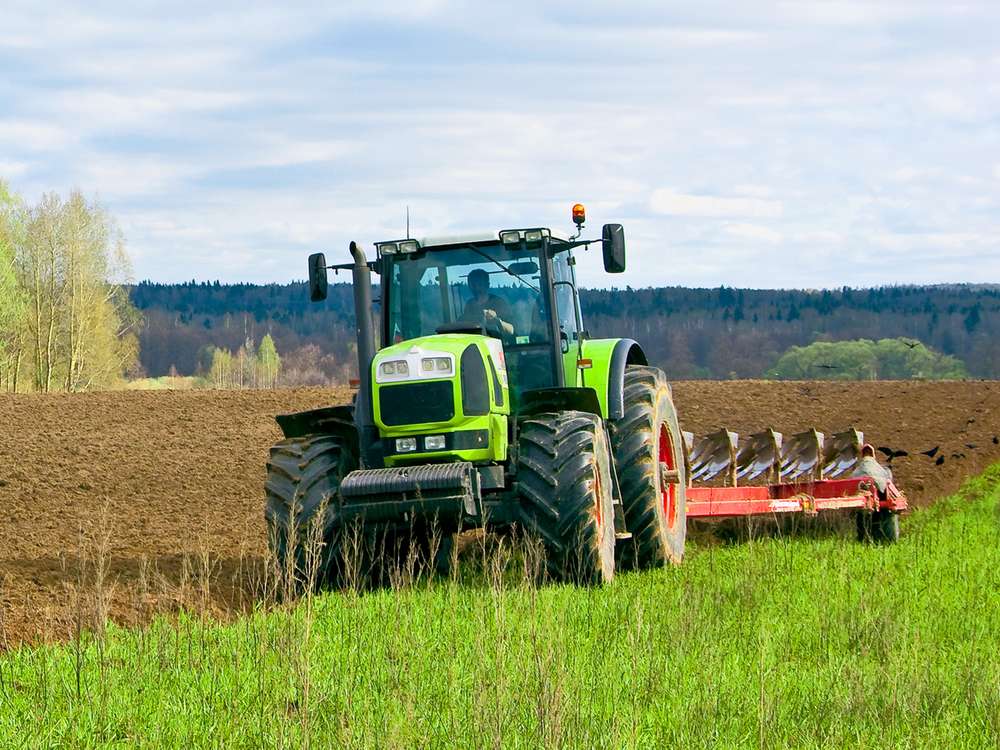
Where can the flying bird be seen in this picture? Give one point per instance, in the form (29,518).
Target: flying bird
(827,367)
(912,344)
(932,452)
(891,453)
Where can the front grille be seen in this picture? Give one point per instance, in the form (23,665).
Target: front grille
(416,403)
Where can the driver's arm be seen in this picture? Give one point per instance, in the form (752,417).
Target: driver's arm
(503,314)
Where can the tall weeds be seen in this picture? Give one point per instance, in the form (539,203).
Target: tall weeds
(804,641)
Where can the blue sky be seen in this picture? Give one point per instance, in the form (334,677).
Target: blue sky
(785,144)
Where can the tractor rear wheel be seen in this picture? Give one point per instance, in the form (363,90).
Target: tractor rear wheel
(564,483)
(649,458)
(303,482)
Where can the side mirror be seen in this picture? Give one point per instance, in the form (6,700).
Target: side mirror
(613,244)
(317,277)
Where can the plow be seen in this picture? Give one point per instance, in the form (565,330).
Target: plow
(484,402)
(808,472)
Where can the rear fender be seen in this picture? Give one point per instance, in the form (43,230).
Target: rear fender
(606,374)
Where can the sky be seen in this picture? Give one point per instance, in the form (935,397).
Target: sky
(766,144)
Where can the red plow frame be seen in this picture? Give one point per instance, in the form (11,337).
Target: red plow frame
(811,497)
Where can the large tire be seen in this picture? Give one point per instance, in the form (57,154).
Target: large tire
(564,484)
(649,458)
(880,526)
(303,482)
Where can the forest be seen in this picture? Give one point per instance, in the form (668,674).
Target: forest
(691,333)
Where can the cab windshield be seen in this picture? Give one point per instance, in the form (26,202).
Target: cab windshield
(495,287)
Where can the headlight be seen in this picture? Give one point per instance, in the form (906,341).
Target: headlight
(394,367)
(439,365)
(406,445)
(434,442)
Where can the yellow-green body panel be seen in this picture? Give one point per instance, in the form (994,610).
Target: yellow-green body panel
(597,375)
(495,422)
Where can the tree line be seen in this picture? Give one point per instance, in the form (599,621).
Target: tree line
(691,333)
(66,320)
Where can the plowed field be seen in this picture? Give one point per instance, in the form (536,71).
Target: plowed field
(161,492)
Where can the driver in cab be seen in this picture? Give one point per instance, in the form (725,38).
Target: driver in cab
(489,309)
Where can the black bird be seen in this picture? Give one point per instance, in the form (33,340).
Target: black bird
(940,460)
(996,440)
(932,452)
(958,455)
(970,446)
(891,454)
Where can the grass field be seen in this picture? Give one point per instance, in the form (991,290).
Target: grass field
(809,641)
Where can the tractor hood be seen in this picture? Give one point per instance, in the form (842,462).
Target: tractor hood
(452,385)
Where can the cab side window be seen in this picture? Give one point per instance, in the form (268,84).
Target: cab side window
(564,296)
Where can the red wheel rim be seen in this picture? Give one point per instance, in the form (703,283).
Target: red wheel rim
(668,490)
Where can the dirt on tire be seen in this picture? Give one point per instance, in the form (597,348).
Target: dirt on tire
(138,503)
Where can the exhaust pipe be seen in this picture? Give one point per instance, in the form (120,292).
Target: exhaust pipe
(371,453)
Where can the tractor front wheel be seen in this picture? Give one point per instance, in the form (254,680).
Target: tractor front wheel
(649,458)
(564,483)
(303,482)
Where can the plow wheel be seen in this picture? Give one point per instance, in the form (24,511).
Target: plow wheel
(303,480)
(649,458)
(880,526)
(564,484)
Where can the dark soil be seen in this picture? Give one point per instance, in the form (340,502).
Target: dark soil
(165,489)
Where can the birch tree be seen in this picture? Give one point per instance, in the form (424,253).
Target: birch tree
(79,328)
(12,307)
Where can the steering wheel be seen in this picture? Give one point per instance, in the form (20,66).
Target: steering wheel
(494,328)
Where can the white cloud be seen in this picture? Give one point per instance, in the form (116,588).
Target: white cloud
(754,232)
(11,170)
(669,202)
(231,141)
(949,104)
(32,135)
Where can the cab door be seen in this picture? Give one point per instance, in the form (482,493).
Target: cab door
(569,332)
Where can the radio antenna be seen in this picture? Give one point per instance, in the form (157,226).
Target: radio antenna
(407,222)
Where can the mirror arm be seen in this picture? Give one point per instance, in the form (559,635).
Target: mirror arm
(372,266)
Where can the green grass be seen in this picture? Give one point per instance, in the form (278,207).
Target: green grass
(798,642)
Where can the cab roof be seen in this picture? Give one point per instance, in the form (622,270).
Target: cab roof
(477,238)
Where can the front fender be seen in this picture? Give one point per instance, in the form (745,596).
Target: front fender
(606,375)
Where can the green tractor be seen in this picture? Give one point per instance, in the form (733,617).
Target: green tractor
(486,405)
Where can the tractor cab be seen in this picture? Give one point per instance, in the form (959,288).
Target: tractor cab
(521,294)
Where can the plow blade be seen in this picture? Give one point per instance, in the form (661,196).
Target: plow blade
(801,456)
(758,456)
(713,456)
(841,454)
